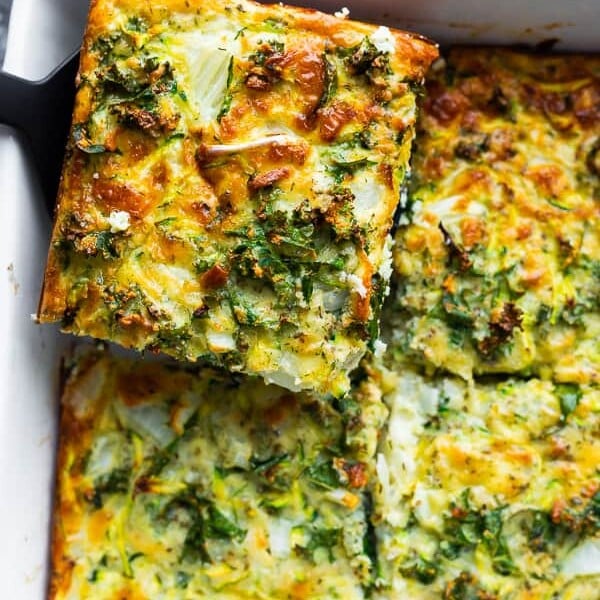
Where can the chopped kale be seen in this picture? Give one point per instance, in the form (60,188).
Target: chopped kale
(206,522)
(136,24)
(262,466)
(324,538)
(228,99)
(466,587)
(115,482)
(541,531)
(218,526)
(370,537)
(331,81)
(161,458)
(420,568)
(105,244)
(307,288)
(82,140)
(365,59)
(194,545)
(323,474)
(466,527)
(569,395)
(275,471)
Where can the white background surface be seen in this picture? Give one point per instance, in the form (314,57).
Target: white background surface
(42,33)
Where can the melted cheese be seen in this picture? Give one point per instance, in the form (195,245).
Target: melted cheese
(453,453)
(258,153)
(178,483)
(498,251)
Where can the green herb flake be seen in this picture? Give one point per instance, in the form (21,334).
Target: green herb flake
(421,569)
(182,579)
(218,526)
(324,538)
(227,100)
(323,474)
(569,395)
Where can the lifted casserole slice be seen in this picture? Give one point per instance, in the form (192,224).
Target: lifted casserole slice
(230,182)
(499,254)
(489,491)
(184,483)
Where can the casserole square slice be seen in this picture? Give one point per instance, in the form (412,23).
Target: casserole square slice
(230,182)
(488,490)
(181,482)
(499,252)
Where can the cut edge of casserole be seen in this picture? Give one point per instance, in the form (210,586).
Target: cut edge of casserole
(498,250)
(230,182)
(488,490)
(175,481)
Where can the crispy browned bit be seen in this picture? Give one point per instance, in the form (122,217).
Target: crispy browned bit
(444,105)
(225,201)
(152,123)
(578,513)
(264,74)
(200,311)
(455,251)
(267,179)
(501,324)
(142,485)
(294,153)
(357,474)
(550,178)
(310,72)
(586,104)
(568,252)
(458,513)
(558,508)
(466,586)
(559,449)
(278,412)
(590,489)
(202,155)
(258,82)
(133,319)
(479,89)
(501,144)
(216,277)
(472,147)
(332,118)
(113,195)
(275,62)
(203,210)
(340,216)
(387,174)
(592,160)
(473,231)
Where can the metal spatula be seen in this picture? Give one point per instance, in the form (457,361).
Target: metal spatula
(42,111)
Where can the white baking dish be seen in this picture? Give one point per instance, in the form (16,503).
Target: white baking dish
(42,32)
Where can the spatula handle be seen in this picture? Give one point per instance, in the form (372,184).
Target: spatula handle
(17,100)
(42,111)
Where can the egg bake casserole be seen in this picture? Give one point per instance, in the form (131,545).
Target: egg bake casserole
(498,252)
(463,462)
(230,182)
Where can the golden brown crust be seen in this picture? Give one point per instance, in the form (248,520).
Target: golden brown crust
(499,258)
(229,188)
